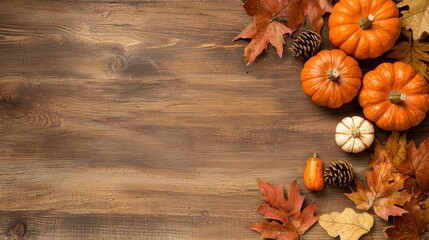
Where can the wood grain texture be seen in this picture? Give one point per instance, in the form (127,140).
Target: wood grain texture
(140,120)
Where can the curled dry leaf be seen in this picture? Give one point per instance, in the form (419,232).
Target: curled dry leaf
(286,220)
(385,190)
(349,225)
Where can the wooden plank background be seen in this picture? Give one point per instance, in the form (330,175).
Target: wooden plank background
(139,119)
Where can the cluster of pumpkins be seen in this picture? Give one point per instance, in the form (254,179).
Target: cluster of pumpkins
(394,95)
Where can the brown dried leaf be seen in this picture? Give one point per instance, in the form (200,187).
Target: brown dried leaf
(411,225)
(384,193)
(396,149)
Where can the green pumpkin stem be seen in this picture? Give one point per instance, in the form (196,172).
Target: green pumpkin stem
(366,22)
(396,97)
(333,75)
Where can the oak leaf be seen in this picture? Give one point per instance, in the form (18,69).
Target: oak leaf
(286,220)
(417,164)
(396,149)
(349,225)
(383,193)
(416,17)
(273,19)
(411,225)
(413,52)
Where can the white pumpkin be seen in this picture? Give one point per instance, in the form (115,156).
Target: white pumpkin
(354,134)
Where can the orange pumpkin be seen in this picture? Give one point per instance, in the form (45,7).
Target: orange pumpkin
(364,28)
(331,78)
(394,96)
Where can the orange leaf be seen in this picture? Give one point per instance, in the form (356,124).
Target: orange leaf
(268,25)
(286,220)
(383,193)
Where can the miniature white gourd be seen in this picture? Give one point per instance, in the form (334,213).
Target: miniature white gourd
(354,134)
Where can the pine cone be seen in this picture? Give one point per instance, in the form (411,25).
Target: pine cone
(339,173)
(307,44)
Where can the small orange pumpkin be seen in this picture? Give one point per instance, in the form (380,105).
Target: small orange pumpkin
(364,28)
(331,78)
(394,96)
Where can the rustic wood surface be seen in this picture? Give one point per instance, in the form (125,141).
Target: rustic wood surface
(138,119)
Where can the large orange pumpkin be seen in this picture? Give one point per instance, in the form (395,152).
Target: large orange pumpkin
(394,96)
(364,28)
(331,78)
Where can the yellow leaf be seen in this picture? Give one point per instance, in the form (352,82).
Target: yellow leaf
(417,17)
(415,53)
(349,225)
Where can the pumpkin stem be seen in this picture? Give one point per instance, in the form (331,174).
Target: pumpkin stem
(315,155)
(397,97)
(355,132)
(366,22)
(333,75)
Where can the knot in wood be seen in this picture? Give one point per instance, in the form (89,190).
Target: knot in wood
(18,231)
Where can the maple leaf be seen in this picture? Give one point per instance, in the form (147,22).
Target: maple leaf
(416,17)
(287,221)
(417,164)
(396,149)
(268,22)
(348,224)
(265,29)
(415,53)
(383,193)
(411,225)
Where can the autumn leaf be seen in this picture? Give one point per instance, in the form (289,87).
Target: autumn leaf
(286,220)
(265,29)
(417,164)
(411,225)
(383,193)
(273,19)
(396,149)
(415,53)
(349,225)
(298,9)
(416,17)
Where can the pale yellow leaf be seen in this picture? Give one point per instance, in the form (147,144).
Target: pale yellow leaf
(414,53)
(349,225)
(417,17)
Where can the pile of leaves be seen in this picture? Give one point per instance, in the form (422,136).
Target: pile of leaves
(397,190)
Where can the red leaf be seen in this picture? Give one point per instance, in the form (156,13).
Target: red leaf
(267,26)
(286,221)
